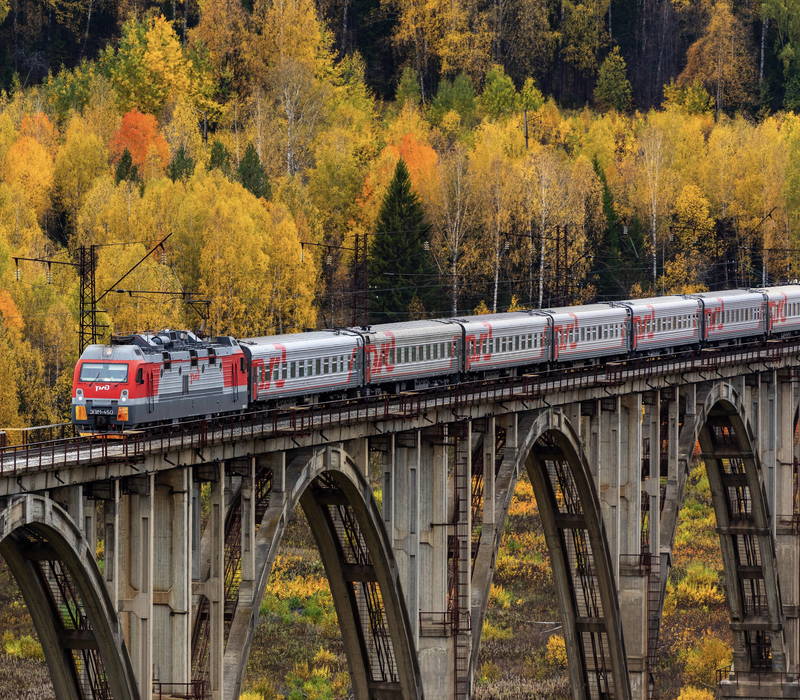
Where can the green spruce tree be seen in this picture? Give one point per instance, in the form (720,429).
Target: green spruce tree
(401,270)
(220,158)
(181,166)
(126,170)
(499,97)
(408,89)
(252,175)
(613,89)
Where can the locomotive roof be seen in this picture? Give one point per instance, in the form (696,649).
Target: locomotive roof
(171,341)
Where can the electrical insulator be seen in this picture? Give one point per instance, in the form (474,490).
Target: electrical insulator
(16,272)
(49,274)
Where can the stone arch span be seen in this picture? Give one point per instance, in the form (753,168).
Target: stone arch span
(549,449)
(727,446)
(362,574)
(67,599)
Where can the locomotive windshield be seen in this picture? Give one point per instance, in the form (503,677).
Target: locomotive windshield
(104,372)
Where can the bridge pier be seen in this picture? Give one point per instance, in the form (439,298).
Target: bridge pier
(415,503)
(172,585)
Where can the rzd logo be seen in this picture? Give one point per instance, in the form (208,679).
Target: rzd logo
(715,318)
(102,387)
(380,356)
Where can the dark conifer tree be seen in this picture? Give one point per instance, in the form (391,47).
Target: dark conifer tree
(220,158)
(252,175)
(126,170)
(181,166)
(401,270)
(613,90)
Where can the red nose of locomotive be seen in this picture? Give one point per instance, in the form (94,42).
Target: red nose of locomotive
(102,388)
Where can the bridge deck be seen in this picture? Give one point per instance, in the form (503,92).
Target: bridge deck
(369,416)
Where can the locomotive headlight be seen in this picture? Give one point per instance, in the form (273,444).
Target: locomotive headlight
(124,395)
(79,394)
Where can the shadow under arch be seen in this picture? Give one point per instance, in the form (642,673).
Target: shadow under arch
(75,620)
(727,447)
(569,508)
(362,574)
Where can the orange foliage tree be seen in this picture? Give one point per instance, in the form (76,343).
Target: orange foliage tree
(39,126)
(140,135)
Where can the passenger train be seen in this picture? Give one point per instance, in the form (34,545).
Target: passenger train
(148,379)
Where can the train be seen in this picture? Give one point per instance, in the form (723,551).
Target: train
(148,379)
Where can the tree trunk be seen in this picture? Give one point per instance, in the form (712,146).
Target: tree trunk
(454,284)
(530,265)
(497,245)
(655,251)
(88,24)
(541,267)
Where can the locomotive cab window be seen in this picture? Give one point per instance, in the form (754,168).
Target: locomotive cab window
(140,375)
(104,372)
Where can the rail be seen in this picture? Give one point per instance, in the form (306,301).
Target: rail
(298,420)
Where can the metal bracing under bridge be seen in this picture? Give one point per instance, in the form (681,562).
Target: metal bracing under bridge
(607,448)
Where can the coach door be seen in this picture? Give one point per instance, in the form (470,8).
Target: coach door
(150,388)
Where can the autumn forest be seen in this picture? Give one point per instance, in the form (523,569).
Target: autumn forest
(324,162)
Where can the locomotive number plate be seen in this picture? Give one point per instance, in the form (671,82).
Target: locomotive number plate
(103,411)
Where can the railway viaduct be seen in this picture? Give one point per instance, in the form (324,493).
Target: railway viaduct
(190,520)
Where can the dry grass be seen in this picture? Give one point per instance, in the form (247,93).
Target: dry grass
(24,679)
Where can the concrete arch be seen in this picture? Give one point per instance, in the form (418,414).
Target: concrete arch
(67,599)
(358,560)
(548,447)
(747,542)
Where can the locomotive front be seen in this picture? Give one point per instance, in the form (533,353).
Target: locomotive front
(105,392)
